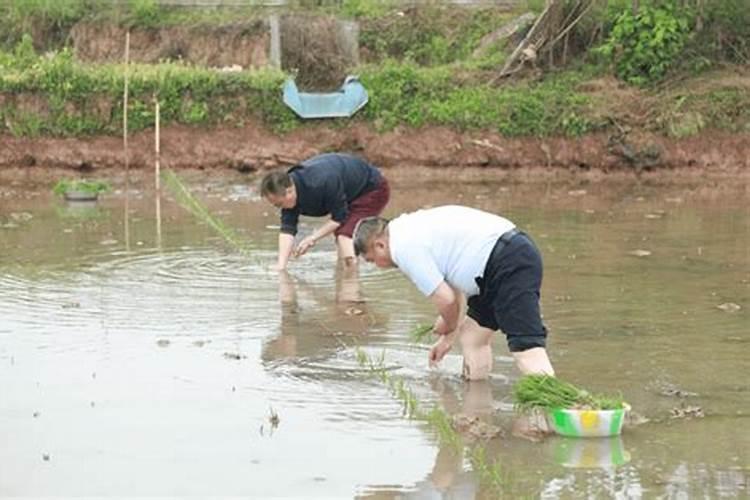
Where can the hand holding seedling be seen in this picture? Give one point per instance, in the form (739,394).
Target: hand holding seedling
(440,349)
(304,245)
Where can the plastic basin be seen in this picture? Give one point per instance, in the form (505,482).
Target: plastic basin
(604,452)
(587,423)
(80,196)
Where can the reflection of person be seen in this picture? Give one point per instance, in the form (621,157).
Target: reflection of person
(346,187)
(347,286)
(448,475)
(451,250)
(284,345)
(312,320)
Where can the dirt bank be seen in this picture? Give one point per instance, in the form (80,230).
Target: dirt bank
(253,148)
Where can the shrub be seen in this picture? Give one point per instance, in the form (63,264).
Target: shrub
(644,45)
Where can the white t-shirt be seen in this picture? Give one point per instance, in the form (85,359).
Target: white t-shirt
(450,243)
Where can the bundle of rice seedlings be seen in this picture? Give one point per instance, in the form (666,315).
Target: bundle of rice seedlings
(549,393)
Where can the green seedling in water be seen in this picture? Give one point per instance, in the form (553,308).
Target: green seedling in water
(490,473)
(185,198)
(440,421)
(420,332)
(436,418)
(81,186)
(549,393)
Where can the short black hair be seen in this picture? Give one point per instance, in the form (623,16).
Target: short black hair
(275,183)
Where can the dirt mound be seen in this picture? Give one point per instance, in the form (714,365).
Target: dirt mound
(252,148)
(245,44)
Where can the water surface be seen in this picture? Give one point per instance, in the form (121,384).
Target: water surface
(146,356)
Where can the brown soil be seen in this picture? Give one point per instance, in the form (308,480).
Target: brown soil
(253,148)
(244,44)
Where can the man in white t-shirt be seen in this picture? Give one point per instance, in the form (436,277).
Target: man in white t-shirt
(452,250)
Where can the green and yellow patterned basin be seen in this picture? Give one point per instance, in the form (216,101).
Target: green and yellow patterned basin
(588,423)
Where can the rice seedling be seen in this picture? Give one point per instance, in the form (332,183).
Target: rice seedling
(397,386)
(420,332)
(189,202)
(490,473)
(440,422)
(548,393)
(435,417)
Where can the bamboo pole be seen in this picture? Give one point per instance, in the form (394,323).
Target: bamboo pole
(157,166)
(125,102)
(157,173)
(125,142)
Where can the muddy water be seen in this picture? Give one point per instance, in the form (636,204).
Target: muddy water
(147,357)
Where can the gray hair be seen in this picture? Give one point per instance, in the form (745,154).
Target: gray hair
(365,231)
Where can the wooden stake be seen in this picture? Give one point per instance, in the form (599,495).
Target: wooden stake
(157,174)
(157,167)
(125,142)
(125,102)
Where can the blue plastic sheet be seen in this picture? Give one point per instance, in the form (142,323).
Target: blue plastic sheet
(343,103)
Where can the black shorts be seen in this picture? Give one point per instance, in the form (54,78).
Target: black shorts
(508,297)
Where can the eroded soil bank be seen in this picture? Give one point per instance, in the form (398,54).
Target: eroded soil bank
(252,148)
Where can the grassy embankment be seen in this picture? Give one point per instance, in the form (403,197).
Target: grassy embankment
(419,69)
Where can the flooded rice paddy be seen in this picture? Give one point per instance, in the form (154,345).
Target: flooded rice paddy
(142,355)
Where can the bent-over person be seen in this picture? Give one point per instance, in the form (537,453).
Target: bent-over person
(343,186)
(452,250)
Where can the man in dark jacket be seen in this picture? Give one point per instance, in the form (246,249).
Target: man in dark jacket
(343,186)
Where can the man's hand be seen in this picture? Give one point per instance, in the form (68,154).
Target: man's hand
(304,245)
(440,349)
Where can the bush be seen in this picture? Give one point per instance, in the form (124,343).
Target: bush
(644,45)
(725,34)
(51,18)
(404,93)
(81,99)
(429,35)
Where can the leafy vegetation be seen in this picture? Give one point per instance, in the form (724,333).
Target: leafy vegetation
(80,186)
(429,35)
(721,34)
(421,69)
(404,93)
(75,99)
(645,44)
(548,393)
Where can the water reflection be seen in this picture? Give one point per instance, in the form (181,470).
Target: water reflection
(469,403)
(590,452)
(77,298)
(313,319)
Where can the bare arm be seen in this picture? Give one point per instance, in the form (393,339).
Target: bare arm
(286,243)
(447,302)
(449,306)
(323,231)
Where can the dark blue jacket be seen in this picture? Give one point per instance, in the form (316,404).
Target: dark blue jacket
(327,184)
